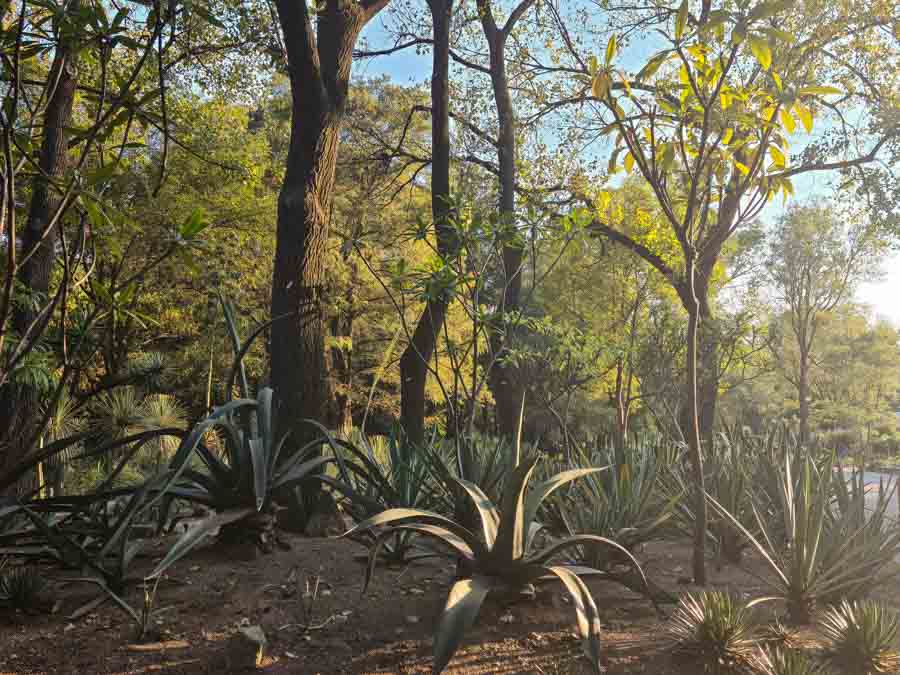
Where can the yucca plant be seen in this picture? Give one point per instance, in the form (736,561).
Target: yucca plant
(501,558)
(21,587)
(811,560)
(782,661)
(779,635)
(241,486)
(861,638)
(714,632)
(396,474)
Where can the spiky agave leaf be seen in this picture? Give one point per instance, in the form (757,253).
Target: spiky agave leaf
(460,611)
(784,661)
(714,632)
(860,638)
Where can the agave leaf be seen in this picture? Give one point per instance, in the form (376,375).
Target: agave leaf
(585,611)
(418,517)
(487,512)
(463,604)
(441,534)
(258,462)
(236,344)
(370,505)
(773,565)
(124,522)
(299,471)
(196,535)
(546,488)
(510,543)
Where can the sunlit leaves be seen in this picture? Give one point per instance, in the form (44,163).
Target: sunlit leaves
(819,91)
(611,49)
(681,18)
(601,84)
(787,120)
(777,156)
(654,64)
(761,50)
(805,115)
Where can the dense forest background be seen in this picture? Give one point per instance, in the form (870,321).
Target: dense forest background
(547,223)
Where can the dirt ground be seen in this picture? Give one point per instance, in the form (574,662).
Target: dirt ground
(206,598)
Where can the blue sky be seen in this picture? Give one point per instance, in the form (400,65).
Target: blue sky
(406,67)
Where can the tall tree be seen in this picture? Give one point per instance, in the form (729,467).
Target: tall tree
(815,260)
(707,124)
(506,387)
(422,343)
(319,64)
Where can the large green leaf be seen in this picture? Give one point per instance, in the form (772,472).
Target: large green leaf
(510,543)
(487,512)
(546,488)
(300,471)
(463,604)
(585,611)
(441,534)
(197,535)
(419,517)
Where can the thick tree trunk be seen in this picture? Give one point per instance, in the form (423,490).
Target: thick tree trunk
(708,375)
(320,74)
(415,358)
(20,404)
(693,436)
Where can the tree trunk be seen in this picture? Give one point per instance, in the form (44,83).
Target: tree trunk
(693,435)
(415,358)
(20,404)
(320,74)
(506,384)
(708,375)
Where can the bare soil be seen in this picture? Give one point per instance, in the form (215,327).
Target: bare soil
(205,599)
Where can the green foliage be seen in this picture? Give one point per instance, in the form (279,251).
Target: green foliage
(241,485)
(21,587)
(861,638)
(376,476)
(500,557)
(714,632)
(625,502)
(780,661)
(816,555)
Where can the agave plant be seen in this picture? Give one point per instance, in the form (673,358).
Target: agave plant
(396,474)
(501,558)
(861,638)
(714,633)
(240,487)
(624,503)
(812,559)
(781,661)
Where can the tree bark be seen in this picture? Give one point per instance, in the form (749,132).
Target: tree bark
(319,67)
(419,351)
(506,384)
(20,404)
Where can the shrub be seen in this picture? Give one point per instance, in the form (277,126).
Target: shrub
(241,486)
(714,633)
(860,638)
(21,587)
(781,661)
(814,554)
(501,558)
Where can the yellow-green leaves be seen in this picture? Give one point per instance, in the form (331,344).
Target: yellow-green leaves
(601,84)
(629,162)
(743,168)
(727,136)
(805,115)
(611,49)
(778,157)
(649,70)
(761,50)
(681,20)
(787,120)
(819,91)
